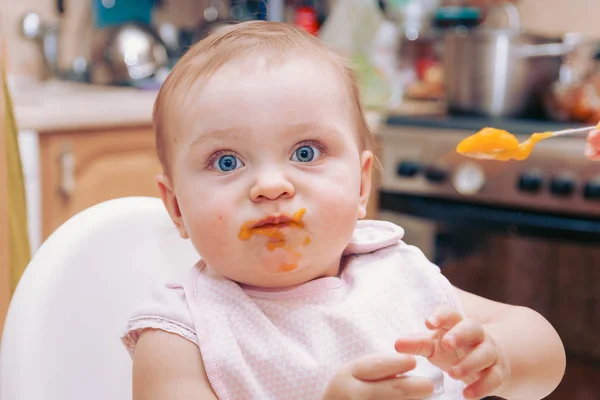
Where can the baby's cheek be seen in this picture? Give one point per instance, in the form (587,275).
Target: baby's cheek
(339,203)
(337,217)
(210,232)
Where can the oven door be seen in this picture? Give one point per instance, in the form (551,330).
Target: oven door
(550,263)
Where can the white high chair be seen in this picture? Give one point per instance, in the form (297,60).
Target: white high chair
(61,338)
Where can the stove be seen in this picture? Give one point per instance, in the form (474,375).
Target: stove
(556,184)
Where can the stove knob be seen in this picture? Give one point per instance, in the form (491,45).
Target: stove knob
(469,178)
(408,169)
(530,181)
(563,185)
(592,189)
(436,174)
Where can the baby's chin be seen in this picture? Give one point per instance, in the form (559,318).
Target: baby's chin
(279,275)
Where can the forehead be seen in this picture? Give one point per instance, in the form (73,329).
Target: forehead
(257,91)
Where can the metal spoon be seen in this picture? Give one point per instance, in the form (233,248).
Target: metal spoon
(573,131)
(500,153)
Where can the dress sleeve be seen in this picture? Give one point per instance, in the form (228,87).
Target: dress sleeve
(166,310)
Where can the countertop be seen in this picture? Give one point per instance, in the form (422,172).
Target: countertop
(64,106)
(475,123)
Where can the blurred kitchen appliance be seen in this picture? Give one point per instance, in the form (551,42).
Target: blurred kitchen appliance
(575,96)
(124,48)
(126,54)
(46,37)
(557,179)
(500,71)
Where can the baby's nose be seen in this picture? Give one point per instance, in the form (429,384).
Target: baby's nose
(271,185)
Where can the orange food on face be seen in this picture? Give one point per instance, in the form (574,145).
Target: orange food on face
(288,267)
(497,144)
(272,231)
(277,239)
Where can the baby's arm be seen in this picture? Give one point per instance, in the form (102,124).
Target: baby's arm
(168,367)
(535,351)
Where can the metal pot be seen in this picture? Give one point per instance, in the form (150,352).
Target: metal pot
(500,72)
(126,54)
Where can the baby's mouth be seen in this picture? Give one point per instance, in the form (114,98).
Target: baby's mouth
(273,222)
(272,225)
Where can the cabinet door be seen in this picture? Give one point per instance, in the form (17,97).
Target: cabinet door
(83,168)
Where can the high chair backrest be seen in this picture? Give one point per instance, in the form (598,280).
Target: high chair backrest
(61,339)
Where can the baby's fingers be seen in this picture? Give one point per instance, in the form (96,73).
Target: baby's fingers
(491,379)
(443,318)
(593,147)
(594,138)
(375,367)
(466,333)
(404,387)
(479,359)
(422,345)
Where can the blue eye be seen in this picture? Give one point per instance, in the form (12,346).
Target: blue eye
(306,154)
(227,163)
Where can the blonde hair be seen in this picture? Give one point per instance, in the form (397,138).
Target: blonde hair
(273,39)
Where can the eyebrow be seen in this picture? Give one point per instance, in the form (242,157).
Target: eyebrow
(240,134)
(220,134)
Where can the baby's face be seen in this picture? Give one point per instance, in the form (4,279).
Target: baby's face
(267,172)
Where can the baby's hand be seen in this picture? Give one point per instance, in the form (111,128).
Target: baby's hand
(461,347)
(376,377)
(592,150)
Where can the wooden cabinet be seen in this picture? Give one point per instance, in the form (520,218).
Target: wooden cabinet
(86,167)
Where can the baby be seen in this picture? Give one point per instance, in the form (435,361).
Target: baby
(267,164)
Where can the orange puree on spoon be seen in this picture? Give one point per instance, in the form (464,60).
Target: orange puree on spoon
(272,228)
(498,144)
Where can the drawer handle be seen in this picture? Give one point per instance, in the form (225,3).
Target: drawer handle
(67,171)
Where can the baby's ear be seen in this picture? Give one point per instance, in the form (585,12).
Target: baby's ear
(366,164)
(167,193)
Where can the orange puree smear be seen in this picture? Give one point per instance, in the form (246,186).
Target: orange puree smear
(272,231)
(289,267)
(498,144)
(277,238)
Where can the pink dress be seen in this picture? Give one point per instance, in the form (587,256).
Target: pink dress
(288,343)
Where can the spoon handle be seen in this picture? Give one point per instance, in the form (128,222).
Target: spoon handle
(573,131)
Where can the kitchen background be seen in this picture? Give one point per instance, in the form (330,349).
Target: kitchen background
(546,17)
(432,72)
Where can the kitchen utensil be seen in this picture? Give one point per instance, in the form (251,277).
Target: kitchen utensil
(45,35)
(500,71)
(497,144)
(573,131)
(126,54)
